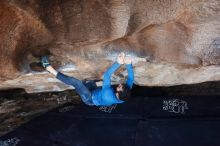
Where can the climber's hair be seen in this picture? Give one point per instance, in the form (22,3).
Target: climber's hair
(125,94)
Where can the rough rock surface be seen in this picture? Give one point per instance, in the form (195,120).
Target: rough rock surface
(174,41)
(18,107)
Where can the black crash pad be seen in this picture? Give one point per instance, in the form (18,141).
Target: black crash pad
(142,121)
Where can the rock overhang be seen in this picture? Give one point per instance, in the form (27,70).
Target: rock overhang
(175,42)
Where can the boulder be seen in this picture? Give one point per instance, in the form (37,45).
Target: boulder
(173,42)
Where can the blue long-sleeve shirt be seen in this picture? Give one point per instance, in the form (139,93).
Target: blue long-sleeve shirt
(106,94)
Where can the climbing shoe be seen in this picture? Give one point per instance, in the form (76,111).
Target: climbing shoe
(44,61)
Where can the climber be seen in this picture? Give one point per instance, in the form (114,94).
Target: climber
(105,95)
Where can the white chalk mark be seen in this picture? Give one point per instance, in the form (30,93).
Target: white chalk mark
(10,142)
(175,106)
(108,109)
